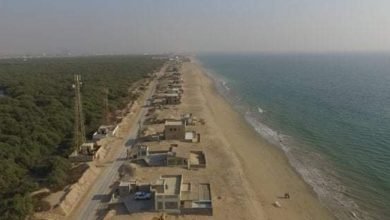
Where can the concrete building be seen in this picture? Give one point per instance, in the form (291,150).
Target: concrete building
(175,85)
(186,158)
(172,99)
(124,189)
(148,133)
(191,136)
(174,130)
(178,156)
(167,193)
(166,98)
(158,102)
(188,118)
(139,152)
(87,152)
(104,131)
(196,199)
(197,160)
(173,156)
(87,148)
(174,91)
(171,195)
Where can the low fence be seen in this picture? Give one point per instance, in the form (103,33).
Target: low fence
(196,211)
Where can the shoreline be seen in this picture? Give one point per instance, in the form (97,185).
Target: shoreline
(277,176)
(245,118)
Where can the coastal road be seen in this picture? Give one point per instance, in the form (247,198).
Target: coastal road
(95,201)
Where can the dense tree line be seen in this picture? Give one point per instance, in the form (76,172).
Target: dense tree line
(37,112)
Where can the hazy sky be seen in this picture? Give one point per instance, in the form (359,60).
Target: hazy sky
(138,26)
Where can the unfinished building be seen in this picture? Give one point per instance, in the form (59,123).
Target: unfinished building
(172,98)
(104,131)
(171,195)
(167,191)
(173,156)
(86,152)
(176,130)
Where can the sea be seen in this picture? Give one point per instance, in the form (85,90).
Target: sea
(330,115)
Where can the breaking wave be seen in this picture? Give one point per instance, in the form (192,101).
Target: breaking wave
(310,165)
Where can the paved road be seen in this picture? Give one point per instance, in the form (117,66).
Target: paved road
(97,197)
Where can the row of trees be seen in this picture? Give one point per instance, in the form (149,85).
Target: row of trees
(36,118)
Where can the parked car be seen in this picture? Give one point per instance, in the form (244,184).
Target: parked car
(142,196)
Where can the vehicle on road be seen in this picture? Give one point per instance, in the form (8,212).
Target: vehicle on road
(142,196)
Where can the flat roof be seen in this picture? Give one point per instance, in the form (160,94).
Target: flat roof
(158,100)
(173,122)
(106,126)
(155,147)
(181,152)
(197,192)
(139,147)
(189,135)
(172,184)
(124,183)
(171,94)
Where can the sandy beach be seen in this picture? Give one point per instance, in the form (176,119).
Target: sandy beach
(247,174)
(256,173)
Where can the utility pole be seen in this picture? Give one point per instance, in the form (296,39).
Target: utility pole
(138,132)
(79,133)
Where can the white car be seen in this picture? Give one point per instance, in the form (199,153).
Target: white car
(142,196)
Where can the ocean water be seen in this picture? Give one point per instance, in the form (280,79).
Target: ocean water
(329,113)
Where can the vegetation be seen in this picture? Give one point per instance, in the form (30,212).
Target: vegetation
(36,118)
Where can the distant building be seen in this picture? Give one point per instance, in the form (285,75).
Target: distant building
(158,101)
(166,98)
(188,118)
(174,91)
(104,131)
(176,85)
(172,99)
(87,152)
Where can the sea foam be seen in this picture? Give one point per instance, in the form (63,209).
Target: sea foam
(311,166)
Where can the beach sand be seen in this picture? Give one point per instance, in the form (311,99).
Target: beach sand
(247,174)
(255,173)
